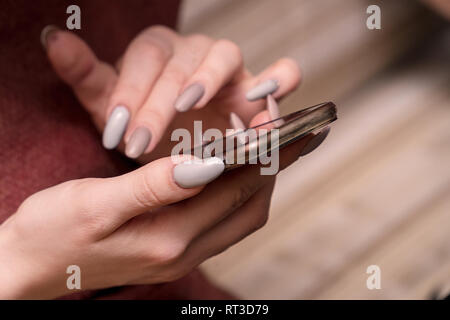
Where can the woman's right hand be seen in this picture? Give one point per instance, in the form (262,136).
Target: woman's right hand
(131,229)
(151,90)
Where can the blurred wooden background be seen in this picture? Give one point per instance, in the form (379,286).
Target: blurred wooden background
(378,191)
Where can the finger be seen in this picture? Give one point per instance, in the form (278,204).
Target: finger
(248,218)
(75,63)
(113,201)
(259,121)
(278,79)
(158,110)
(222,63)
(226,194)
(140,68)
(251,216)
(261,118)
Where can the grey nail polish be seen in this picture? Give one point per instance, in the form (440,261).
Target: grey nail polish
(236,122)
(274,110)
(138,143)
(197,172)
(262,90)
(45,33)
(315,142)
(115,127)
(272,107)
(238,125)
(189,97)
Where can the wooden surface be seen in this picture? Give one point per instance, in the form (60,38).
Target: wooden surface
(378,191)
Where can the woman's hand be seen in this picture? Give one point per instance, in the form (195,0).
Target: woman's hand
(131,229)
(161,74)
(142,227)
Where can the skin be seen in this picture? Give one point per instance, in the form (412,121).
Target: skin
(141,227)
(156,67)
(441,6)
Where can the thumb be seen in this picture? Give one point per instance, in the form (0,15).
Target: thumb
(76,64)
(121,198)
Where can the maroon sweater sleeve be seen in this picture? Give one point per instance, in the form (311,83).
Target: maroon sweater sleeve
(45,135)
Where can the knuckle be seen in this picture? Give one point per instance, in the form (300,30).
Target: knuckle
(244,193)
(292,68)
(230,48)
(78,189)
(197,38)
(154,51)
(84,71)
(144,192)
(160,29)
(77,69)
(88,212)
(167,251)
(73,200)
(289,63)
(261,219)
(174,76)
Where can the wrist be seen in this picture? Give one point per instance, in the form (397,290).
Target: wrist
(19,278)
(9,275)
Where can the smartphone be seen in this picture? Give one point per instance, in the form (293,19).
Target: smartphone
(247,146)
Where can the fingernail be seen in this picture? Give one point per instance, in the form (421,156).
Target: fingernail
(115,127)
(315,142)
(138,143)
(236,122)
(274,110)
(262,90)
(197,172)
(238,125)
(189,97)
(48,34)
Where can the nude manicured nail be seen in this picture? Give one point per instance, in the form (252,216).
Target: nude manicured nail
(48,34)
(115,127)
(236,122)
(315,142)
(189,97)
(262,90)
(138,143)
(274,110)
(197,172)
(238,125)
